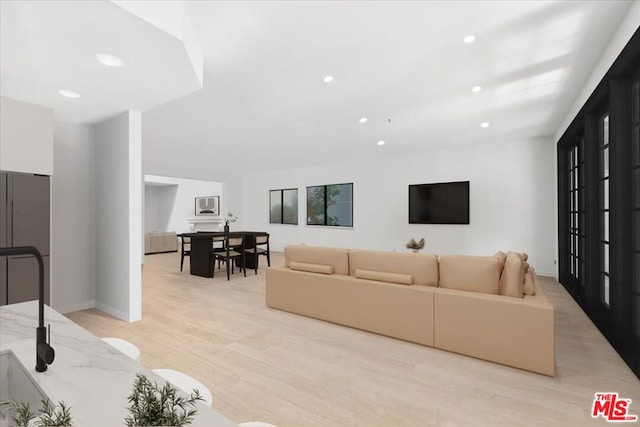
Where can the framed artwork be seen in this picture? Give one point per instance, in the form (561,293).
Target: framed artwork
(207,205)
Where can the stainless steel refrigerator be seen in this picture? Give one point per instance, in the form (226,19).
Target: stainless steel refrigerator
(24,221)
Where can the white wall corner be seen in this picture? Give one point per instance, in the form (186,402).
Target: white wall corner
(136,234)
(192,46)
(115,312)
(627,27)
(172,17)
(70,308)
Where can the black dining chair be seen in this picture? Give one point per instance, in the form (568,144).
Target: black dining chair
(185,249)
(261,247)
(233,249)
(218,246)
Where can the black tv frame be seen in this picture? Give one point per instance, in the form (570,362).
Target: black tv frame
(468,214)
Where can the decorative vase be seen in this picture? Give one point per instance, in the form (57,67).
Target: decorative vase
(226,228)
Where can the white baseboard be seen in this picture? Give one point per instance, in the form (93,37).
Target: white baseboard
(113,311)
(84,305)
(546,274)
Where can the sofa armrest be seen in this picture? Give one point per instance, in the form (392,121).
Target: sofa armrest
(511,331)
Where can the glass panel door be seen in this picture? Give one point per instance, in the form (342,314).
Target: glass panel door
(604,211)
(635,206)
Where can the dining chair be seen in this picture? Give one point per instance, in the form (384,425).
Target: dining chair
(218,246)
(233,249)
(259,249)
(185,249)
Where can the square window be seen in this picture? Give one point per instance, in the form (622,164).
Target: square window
(330,205)
(283,206)
(635,197)
(275,207)
(635,146)
(636,271)
(636,316)
(290,206)
(605,289)
(605,130)
(636,230)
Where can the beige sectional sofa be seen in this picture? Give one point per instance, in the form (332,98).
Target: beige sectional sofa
(160,241)
(465,304)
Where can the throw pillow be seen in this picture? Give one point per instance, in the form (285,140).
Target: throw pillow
(529,287)
(502,257)
(383,276)
(512,279)
(311,268)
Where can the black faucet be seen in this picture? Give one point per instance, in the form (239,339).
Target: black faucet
(44,352)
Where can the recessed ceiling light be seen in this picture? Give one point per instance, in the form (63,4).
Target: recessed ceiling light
(363,120)
(328,79)
(69,93)
(476,89)
(469,39)
(109,60)
(381,143)
(484,124)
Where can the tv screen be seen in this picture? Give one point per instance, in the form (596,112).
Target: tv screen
(442,203)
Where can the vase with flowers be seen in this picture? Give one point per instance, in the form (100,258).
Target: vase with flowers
(229,217)
(415,246)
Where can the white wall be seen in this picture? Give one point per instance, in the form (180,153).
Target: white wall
(512,200)
(626,28)
(73,225)
(119,215)
(170,207)
(26,137)
(158,206)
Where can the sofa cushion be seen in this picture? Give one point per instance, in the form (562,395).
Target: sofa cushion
(382,276)
(422,268)
(502,257)
(470,273)
(337,258)
(512,279)
(529,287)
(311,268)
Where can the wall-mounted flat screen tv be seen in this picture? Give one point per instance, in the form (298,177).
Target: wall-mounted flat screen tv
(441,203)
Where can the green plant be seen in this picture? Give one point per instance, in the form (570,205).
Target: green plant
(50,416)
(23,415)
(150,405)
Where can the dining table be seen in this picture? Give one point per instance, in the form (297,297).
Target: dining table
(201,258)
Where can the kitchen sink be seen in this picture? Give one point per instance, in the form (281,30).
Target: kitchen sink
(16,384)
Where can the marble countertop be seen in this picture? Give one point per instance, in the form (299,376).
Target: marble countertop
(92,377)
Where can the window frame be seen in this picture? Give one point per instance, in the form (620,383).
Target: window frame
(282,216)
(326,207)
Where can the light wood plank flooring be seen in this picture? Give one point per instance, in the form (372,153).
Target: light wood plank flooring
(269,365)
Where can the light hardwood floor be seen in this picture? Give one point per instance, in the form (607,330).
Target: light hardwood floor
(290,370)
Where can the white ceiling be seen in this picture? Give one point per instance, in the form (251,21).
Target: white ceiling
(265,106)
(46,46)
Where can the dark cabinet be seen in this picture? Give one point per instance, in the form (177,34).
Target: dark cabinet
(24,221)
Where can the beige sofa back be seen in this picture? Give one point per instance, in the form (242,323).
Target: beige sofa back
(157,242)
(423,268)
(336,258)
(399,311)
(470,273)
